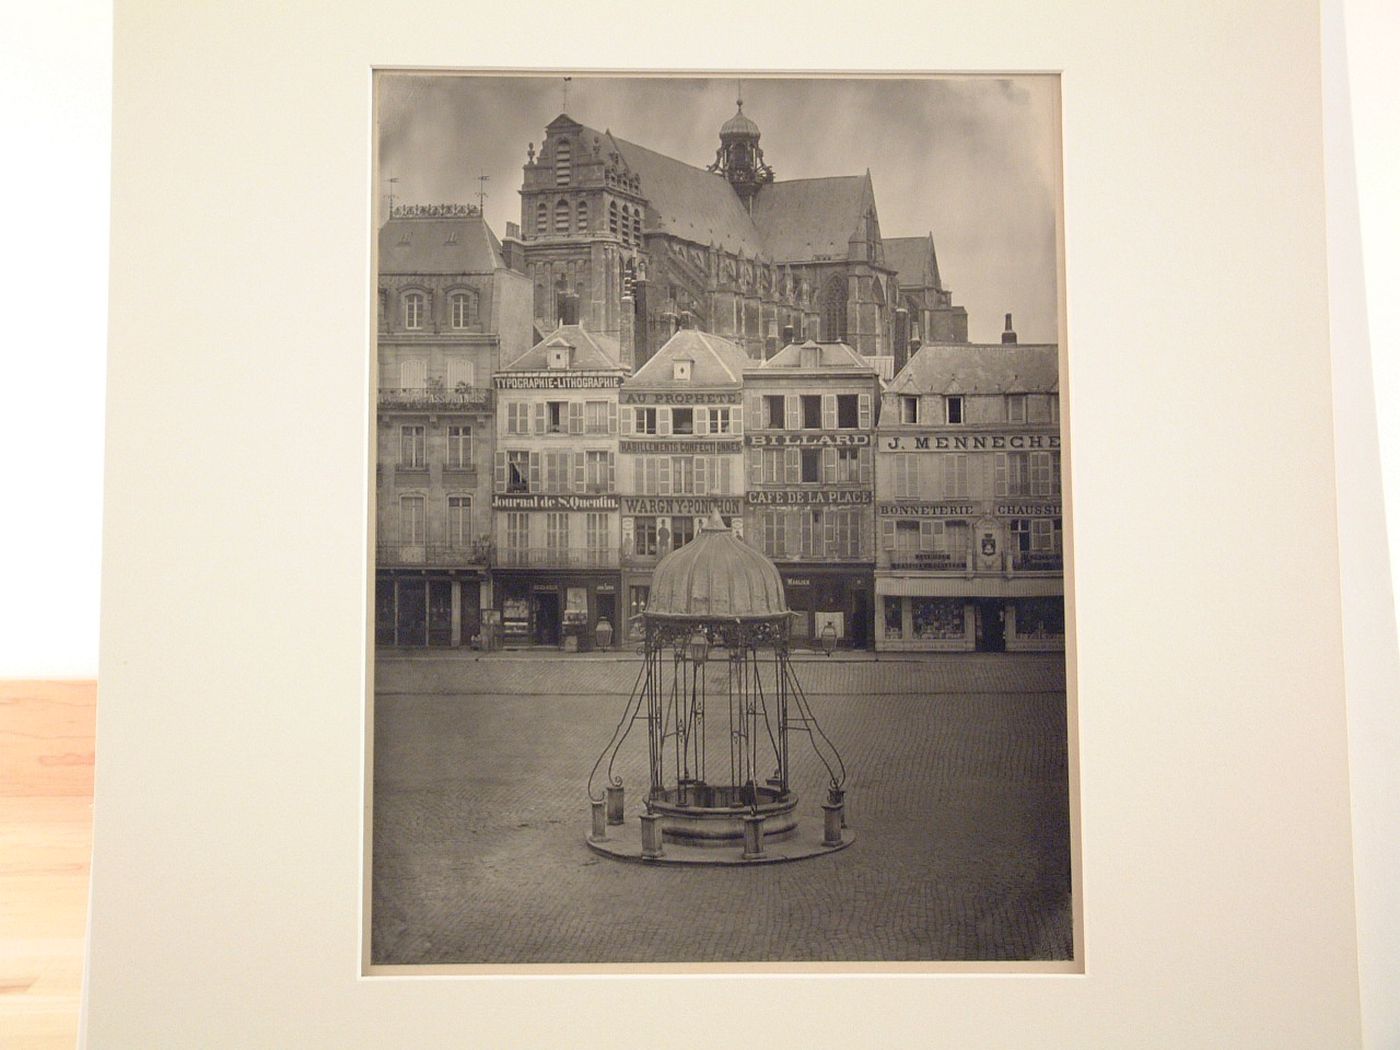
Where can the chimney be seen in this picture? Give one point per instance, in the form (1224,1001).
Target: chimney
(513,230)
(626,335)
(1009,335)
(901,337)
(788,334)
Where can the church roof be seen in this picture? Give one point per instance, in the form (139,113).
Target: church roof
(833,355)
(593,351)
(914,259)
(800,219)
(438,245)
(716,362)
(981,368)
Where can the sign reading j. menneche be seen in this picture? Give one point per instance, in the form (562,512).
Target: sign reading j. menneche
(680,504)
(800,497)
(508,501)
(969,442)
(691,446)
(562,381)
(822,439)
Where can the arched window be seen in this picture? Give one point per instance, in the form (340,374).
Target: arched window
(834,309)
(542,219)
(626,224)
(563,161)
(415,309)
(637,226)
(581,214)
(612,217)
(561,217)
(463,309)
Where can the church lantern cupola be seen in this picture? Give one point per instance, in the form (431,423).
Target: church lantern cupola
(740,158)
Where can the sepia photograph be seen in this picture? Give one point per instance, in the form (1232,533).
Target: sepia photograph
(719,515)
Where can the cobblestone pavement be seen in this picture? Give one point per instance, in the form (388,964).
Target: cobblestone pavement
(957,790)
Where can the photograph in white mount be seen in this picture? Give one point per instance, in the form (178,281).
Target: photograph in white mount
(719,605)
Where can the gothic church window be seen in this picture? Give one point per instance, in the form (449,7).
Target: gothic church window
(637,226)
(834,309)
(626,224)
(612,218)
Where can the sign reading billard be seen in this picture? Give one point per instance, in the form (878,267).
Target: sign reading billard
(807,497)
(811,439)
(510,501)
(680,505)
(560,381)
(969,442)
(694,447)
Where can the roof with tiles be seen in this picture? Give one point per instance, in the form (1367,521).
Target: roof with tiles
(915,260)
(592,351)
(832,355)
(715,362)
(801,219)
(437,245)
(981,368)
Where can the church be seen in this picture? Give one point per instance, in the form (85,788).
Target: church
(633,245)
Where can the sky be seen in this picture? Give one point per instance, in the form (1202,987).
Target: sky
(973,160)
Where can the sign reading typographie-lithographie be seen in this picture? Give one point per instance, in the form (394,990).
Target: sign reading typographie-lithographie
(970,442)
(556,381)
(808,497)
(511,501)
(812,439)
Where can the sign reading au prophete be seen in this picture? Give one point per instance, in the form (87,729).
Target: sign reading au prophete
(641,397)
(968,442)
(563,381)
(507,501)
(841,439)
(689,445)
(797,497)
(680,505)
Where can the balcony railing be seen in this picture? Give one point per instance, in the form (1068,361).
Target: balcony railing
(435,396)
(556,558)
(1038,561)
(931,561)
(443,555)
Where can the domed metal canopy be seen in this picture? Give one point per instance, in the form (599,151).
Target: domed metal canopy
(716,576)
(738,124)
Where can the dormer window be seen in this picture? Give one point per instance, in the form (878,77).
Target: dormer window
(680,371)
(954,406)
(414,304)
(811,356)
(1015,408)
(908,409)
(559,356)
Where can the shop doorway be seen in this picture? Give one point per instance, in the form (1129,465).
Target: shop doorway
(546,618)
(470,612)
(412,613)
(860,619)
(607,610)
(440,612)
(991,625)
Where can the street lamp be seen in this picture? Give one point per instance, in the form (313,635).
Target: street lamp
(698,647)
(828,638)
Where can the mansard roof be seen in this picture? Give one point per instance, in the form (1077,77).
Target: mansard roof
(915,260)
(981,368)
(801,219)
(717,362)
(438,239)
(593,351)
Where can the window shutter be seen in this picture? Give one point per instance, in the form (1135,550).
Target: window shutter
(829,466)
(864,457)
(575,417)
(736,419)
(539,417)
(756,410)
(864,411)
(828,411)
(1000,482)
(612,417)
(792,535)
(627,420)
(663,422)
(663,476)
(700,475)
(755,467)
(792,466)
(534,472)
(930,535)
(500,471)
(580,471)
(887,533)
(792,412)
(612,472)
(1041,533)
(828,535)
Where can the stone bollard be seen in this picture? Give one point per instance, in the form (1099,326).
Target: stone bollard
(614,795)
(837,797)
(831,824)
(600,823)
(753,836)
(651,836)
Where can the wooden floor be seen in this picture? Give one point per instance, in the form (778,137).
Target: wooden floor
(46,751)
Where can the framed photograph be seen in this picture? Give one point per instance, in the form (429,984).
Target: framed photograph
(301,817)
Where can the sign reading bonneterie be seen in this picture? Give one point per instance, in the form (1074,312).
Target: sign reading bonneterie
(808,497)
(561,381)
(537,501)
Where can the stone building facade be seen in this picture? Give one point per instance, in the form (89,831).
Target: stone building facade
(809,502)
(555,492)
(681,454)
(449,312)
(968,486)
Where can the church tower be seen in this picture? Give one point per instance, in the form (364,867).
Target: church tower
(739,157)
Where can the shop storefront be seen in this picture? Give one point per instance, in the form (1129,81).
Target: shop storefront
(556,608)
(825,595)
(948,613)
(428,609)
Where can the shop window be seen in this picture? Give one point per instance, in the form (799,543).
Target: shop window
(682,531)
(894,618)
(1040,617)
(954,409)
(644,537)
(683,421)
(908,409)
(637,598)
(937,618)
(459,447)
(412,454)
(773,409)
(811,412)
(811,465)
(847,411)
(1015,408)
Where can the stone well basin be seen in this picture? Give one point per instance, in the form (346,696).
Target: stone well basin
(713,814)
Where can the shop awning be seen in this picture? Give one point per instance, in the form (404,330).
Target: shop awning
(976,587)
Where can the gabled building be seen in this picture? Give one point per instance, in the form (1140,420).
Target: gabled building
(555,489)
(681,453)
(928,314)
(641,239)
(449,312)
(971,552)
(809,437)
